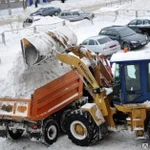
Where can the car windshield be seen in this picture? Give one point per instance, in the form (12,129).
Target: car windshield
(104,40)
(126,32)
(39,10)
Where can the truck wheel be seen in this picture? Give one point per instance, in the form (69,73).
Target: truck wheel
(15,133)
(126,45)
(81,128)
(51,131)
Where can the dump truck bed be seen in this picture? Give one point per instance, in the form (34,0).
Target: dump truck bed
(46,100)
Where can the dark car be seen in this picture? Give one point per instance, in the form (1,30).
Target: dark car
(48,11)
(140,26)
(75,15)
(127,37)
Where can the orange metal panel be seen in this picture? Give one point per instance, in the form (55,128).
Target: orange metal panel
(55,95)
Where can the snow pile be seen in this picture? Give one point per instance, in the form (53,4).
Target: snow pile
(46,20)
(21,82)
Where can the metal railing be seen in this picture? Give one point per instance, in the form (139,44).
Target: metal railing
(20,33)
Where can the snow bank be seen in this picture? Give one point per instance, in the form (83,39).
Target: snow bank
(21,82)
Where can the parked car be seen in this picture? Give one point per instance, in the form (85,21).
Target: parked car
(101,44)
(30,20)
(75,15)
(140,26)
(47,11)
(125,36)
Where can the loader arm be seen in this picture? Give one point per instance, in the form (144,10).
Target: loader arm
(77,64)
(81,60)
(95,63)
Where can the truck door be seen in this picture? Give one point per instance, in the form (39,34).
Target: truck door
(133,89)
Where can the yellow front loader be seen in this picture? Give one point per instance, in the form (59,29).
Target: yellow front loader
(121,100)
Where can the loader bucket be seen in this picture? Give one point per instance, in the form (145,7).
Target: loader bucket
(30,54)
(39,47)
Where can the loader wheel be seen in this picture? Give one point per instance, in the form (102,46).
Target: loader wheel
(81,128)
(63,120)
(51,131)
(15,133)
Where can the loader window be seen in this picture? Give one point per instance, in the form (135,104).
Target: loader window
(148,76)
(116,83)
(132,82)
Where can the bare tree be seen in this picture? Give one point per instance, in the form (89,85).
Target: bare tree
(8,6)
(24,4)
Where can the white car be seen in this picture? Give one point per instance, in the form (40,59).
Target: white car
(101,44)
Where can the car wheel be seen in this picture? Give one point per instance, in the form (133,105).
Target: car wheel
(126,45)
(87,18)
(145,33)
(56,13)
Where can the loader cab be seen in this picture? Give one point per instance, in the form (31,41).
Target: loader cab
(131,78)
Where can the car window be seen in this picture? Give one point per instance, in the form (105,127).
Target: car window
(41,9)
(85,42)
(91,42)
(103,32)
(62,14)
(104,40)
(68,14)
(96,43)
(132,22)
(115,33)
(126,32)
(44,10)
(75,13)
(139,22)
(109,32)
(145,22)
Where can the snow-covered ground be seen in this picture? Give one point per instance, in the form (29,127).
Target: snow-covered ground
(11,64)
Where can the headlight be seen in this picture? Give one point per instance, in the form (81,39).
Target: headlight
(134,42)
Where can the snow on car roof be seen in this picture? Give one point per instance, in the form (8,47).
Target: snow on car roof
(132,55)
(97,37)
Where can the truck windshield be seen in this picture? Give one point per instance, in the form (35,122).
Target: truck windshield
(116,82)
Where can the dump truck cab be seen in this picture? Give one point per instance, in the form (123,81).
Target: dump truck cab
(131,77)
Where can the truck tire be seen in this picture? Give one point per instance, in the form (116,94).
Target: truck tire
(15,134)
(81,128)
(50,131)
(63,120)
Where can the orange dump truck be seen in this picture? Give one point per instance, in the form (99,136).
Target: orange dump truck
(43,116)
